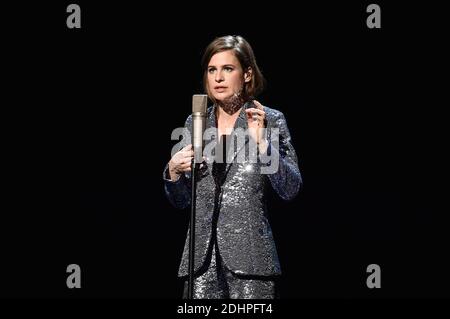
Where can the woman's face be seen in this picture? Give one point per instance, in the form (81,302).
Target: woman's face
(225,75)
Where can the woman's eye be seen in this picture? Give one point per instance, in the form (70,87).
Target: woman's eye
(228,69)
(211,70)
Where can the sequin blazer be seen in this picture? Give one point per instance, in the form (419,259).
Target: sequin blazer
(244,236)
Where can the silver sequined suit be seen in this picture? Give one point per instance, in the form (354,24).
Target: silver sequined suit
(244,236)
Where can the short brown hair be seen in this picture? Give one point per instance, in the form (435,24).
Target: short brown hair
(244,53)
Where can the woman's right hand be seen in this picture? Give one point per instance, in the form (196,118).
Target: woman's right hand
(181,162)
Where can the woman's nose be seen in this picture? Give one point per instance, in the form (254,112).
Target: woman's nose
(219,77)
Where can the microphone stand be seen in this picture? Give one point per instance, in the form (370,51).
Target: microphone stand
(199,102)
(194,167)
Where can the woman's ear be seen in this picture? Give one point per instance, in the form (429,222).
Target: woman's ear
(248,75)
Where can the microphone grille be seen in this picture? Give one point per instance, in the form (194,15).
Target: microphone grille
(199,102)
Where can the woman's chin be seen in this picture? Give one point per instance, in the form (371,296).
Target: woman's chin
(222,97)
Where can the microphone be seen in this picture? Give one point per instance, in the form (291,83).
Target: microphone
(199,102)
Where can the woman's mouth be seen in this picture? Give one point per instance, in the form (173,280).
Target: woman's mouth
(220,89)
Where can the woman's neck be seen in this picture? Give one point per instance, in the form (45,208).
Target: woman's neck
(225,121)
(226,117)
(232,104)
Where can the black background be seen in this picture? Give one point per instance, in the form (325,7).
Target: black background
(88,116)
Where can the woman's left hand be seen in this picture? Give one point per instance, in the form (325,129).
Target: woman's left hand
(256,122)
(256,119)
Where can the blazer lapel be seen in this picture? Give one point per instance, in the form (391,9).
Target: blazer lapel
(242,126)
(210,123)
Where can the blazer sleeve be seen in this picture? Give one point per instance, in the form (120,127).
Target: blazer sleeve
(179,192)
(286,180)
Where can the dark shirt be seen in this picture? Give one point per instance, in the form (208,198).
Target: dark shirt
(219,165)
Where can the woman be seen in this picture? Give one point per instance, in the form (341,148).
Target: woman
(235,255)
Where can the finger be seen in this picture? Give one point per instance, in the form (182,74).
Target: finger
(185,167)
(186,160)
(252,121)
(186,148)
(188,153)
(256,120)
(252,115)
(186,164)
(255,116)
(258,105)
(254,110)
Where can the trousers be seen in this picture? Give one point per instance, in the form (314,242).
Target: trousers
(215,281)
